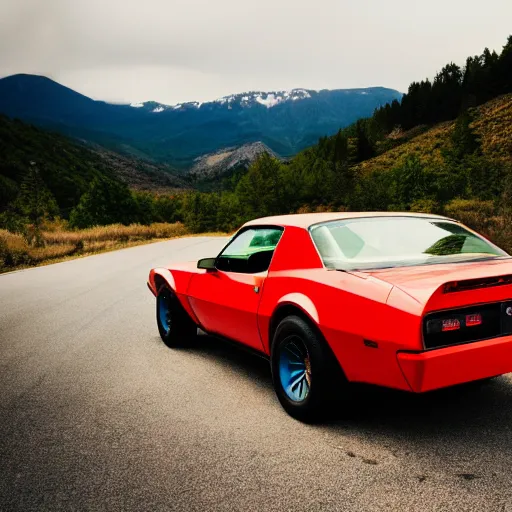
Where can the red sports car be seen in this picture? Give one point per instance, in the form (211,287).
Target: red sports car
(409,301)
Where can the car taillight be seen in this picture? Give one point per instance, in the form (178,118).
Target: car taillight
(443,328)
(454,323)
(450,324)
(475,319)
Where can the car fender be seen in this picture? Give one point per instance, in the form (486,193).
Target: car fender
(176,280)
(267,312)
(301,301)
(157,276)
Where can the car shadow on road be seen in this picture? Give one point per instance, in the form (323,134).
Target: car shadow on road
(467,427)
(484,402)
(478,408)
(245,362)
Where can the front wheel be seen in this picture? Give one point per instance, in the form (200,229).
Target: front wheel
(174,324)
(307,379)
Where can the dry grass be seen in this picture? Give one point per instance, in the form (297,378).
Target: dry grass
(116,232)
(494,125)
(59,243)
(428,146)
(39,254)
(13,249)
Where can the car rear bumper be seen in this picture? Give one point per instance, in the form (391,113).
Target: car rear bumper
(434,369)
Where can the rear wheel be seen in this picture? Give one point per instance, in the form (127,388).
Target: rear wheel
(307,379)
(174,325)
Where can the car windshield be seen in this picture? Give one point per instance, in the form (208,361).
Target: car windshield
(383,242)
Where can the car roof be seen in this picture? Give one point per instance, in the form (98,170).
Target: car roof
(305,220)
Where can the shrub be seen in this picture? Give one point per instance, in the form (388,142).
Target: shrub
(425,206)
(14,250)
(478,215)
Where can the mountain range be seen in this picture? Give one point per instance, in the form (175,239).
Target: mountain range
(285,121)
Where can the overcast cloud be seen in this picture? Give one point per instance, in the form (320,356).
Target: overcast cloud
(182,50)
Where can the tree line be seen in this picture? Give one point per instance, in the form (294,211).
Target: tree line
(325,176)
(453,90)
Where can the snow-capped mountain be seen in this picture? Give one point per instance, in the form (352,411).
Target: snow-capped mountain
(244,100)
(285,121)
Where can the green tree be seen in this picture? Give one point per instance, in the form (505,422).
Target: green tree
(340,148)
(504,68)
(411,181)
(261,190)
(464,140)
(106,202)
(485,176)
(319,183)
(8,192)
(35,202)
(145,203)
(372,192)
(228,213)
(199,211)
(365,148)
(167,208)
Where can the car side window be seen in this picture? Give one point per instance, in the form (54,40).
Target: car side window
(250,251)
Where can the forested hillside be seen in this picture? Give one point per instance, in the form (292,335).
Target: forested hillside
(445,148)
(441,149)
(64,170)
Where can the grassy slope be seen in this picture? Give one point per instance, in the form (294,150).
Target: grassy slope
(493,123)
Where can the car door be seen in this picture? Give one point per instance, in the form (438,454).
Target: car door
(226,300)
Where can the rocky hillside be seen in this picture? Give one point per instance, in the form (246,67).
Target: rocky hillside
(221,163)
(140,174)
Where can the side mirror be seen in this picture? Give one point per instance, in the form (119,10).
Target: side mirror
(207,263)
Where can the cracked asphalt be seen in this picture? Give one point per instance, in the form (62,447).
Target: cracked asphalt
(97,414)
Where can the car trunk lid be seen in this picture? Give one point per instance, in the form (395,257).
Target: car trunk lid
(450,285)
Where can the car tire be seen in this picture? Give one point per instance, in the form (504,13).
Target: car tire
(307,379)
(174,324)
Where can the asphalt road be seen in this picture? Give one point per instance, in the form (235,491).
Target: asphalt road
(97,414)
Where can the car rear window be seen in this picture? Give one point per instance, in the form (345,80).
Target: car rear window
(382,242)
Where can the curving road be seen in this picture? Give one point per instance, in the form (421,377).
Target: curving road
(97,414)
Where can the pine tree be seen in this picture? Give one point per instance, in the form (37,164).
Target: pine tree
(261,190)
(35,201)
(365,148)
(504,68)
(340,148)
(464,140)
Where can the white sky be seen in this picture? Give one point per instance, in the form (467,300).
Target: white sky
(183,50)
